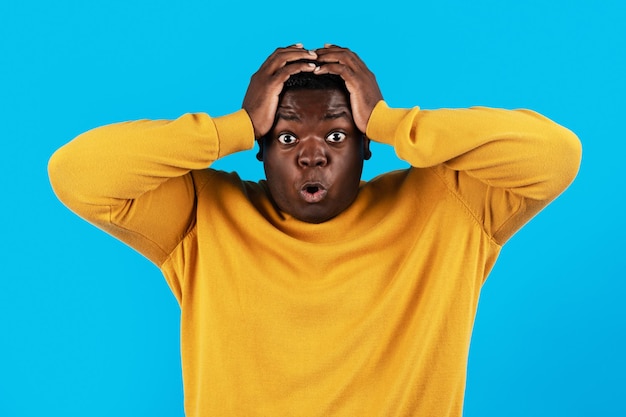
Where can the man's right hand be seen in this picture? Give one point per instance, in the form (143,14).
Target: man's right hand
(261,100)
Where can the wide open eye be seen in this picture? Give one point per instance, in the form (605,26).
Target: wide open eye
(336,137)
(287,138)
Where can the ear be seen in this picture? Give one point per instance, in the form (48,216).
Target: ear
(367,154)
(259,155)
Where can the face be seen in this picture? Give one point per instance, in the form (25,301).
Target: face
(313,156)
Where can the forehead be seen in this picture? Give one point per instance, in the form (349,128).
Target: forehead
(304,103)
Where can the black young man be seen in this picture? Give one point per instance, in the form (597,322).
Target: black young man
(311,293)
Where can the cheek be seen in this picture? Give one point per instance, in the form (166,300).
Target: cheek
(350,177)
(279,177)
(272,163)
(352,164)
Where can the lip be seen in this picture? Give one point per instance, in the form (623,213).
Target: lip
(313,192)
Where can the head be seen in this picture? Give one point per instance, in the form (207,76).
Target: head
(313,155)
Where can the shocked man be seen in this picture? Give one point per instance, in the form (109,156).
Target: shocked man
(313,293)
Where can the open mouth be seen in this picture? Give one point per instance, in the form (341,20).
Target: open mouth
(313,192)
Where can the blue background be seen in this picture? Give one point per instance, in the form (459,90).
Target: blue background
(89,328)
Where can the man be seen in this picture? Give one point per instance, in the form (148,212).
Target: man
(313,293)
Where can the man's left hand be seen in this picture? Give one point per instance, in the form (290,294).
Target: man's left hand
(360,81)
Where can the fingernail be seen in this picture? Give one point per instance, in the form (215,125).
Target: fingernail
(312,53)
(311,65)
(317,69)
(298,45)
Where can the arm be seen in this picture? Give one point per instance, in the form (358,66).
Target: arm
(505,166)
(133,179)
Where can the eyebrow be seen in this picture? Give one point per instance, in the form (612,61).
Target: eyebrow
(287,116)
(336,114)
(330,115)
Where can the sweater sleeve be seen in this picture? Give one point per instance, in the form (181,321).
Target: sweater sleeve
(504,165)
(134,179)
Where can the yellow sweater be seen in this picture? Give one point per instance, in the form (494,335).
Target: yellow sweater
(368,314)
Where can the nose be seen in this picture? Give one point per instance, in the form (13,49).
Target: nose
(312,153)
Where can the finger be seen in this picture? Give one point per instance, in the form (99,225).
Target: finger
(344,56)
(333,50)
(335,68)
(329,48)
(295,45)
(349,60)
(285,56)
(287,71)
(356,81)
(332,45)
(273,83)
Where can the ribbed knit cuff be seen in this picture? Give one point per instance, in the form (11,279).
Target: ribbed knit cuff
(383,123)
(235,133)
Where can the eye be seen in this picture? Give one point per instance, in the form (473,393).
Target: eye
(336,137)
(287,138)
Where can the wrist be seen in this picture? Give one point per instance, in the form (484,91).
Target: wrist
(235,133)
(383,123)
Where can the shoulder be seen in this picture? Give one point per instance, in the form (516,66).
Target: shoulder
(211,179)
(406,181)
(226,189)
(403,190)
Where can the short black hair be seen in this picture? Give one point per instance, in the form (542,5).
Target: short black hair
(312,81)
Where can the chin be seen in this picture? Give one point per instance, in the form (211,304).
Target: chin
(314,218)
(314,213)
(319,212)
